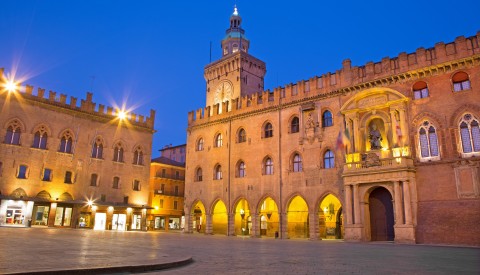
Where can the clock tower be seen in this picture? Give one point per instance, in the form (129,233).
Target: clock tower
(237,73)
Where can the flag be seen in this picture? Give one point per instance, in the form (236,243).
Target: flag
(343,140)
(398,131)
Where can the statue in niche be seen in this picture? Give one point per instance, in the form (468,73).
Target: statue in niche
(375,138)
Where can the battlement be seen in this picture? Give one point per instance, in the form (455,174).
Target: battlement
(420,63)
(87,106)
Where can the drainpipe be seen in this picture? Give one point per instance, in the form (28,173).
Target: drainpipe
(280,165)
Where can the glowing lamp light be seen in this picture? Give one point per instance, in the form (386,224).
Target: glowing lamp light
(90,203)
(122,115)
(129,210)
(156,207)
(94,208)
(110,208)
(11,86)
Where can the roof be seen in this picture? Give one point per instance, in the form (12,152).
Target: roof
(168,161)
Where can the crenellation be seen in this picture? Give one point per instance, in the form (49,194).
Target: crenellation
(40,93)
(52,96)
(28,89)
(73,102)
(440,52)
(63,98)
(101,108)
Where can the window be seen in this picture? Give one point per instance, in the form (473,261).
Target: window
(13,133)
(242,136)
(164,173)
(40,139)
(138,157)
(470,134)
(161,203)
(176,190)
(118,153)
(66,143)
(268,169)
(461,82)
(103,197)
(97,149)
(218,172)
(428,141)
(328,160)
(420,90)
(68,177)
(93,180)
(116,183)
(22,172)
(136,185)
(198,174)
(327,120)
(200,144)
(177,175)
(268,130)
(295,125)
(218,140)
(297,163)
(162,188)
(241,169)
(175,205)
(47,174)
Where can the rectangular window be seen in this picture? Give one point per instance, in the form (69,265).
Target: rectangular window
(162,187)
(94,180)
(136,185)
(22,172)
(176,190)
(125,199)
(103,198)
(116,182)
(177,175)
(47,174)
(68,177)
(161,203)
(164,172)
(175,205)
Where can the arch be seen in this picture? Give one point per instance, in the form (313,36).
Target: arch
(469,129)
(357,100)
(217,172)
(241,135)
(381,214)
(330,217)
(198,216)
(219,217)
(97,147)
(297,218)
(14,129)
(296,162)
(67,139)
(457,115)
(327,118)
(16,122)
(376,130)
(427,140)
(41,132)
(267,165)
(118,151)
(460,81)
(198,174)
(240,169)
(420,90)
(43,195)
(267,129)
(218,140)
(19,193)
(419,118)
(294,124)
(269,218)
(66,197)
(138,155)
(242,217)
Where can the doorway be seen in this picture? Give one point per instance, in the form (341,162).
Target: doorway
(381,215)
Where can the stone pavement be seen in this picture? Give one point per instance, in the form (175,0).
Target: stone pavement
(36,249)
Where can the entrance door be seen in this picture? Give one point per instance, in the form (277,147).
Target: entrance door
(100,221)
(381,215)
(63,216)
(119,222)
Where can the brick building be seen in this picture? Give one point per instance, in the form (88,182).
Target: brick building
(385,151)
(72,165)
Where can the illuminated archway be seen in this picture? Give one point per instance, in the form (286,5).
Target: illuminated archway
(198,217)
(330,218)
(297,218)
(269,218)
(243,221)
(219,218)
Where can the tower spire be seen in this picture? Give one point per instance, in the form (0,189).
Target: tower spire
(235,39)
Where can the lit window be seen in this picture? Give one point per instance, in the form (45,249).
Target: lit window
(327,120)
(218,140)
(218,172)
(116,183)
(97,149)
(13,133)
(66,143)
(297,163)
(161,203)
(242,136)
(22,172)
(94,180)
(198,174)
(470,135)
(268,130)
(295,125)
(428,141)
(118,153)
(241,169)
(268,169)
(138,157)
(461,82)
(68,177)
(200,144)
(420,90)
(328,160)
(136,185)
(40,139)
(47,174)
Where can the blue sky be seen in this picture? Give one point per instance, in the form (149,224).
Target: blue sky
(151,54)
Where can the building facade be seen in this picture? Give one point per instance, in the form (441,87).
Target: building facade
(69,165)
(386,151)
(167,189)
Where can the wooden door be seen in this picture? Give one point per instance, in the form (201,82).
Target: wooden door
(381,215)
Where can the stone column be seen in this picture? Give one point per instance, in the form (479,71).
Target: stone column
(356,204)
(398,203)
(313,225)
(348,204)
(405,138)
(231,224)
(51,214)
(407,205)
(356,134)
(394,130)
(208,224)
(283,226)
(255,231)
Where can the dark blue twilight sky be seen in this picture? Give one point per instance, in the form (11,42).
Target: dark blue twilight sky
(151,54)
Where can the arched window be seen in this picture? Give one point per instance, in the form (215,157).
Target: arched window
(241,169)
(217,172)
(138,156)
(13,133)
(428,141)
(118,153)
(66,143)
(470,134)
(297,163)
(40,138)
(268,130)
(461,82)
(200,144)
(116,183)
(268,166)
(97,149)
(218,140)
(328,160)
(327,120)
(420,90)
(295,125)
(199,174)
(242,136)
(94,180)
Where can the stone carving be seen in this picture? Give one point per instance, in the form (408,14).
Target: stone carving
(372,159)
(375,138)
(310,123)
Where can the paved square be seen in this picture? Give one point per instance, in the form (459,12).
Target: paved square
(36,249)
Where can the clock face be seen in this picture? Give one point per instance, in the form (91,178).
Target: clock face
(223,92)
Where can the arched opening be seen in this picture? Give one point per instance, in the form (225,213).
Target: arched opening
(219,218)
(198,217)
(297,217)
(331,218)
(243,221)
(269,218)
(381,215)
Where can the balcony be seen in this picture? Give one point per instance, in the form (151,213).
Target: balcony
(396,159)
